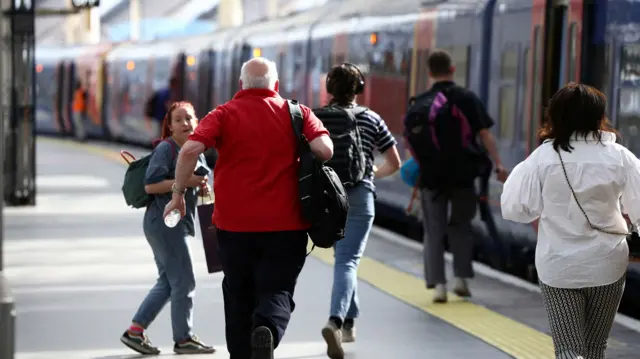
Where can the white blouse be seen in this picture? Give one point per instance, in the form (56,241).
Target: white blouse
(569,254)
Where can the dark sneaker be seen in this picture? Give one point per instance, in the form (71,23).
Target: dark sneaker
(333,336)
(139,342)
(193,346)
(261,343)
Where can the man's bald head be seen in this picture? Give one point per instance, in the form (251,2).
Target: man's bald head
(259,73)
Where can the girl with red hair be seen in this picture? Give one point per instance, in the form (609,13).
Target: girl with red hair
(176,281)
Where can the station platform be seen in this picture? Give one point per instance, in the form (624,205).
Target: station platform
(79,266)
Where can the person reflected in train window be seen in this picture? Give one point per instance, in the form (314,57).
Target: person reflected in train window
(575,184)
(170,246)
(159,103)
(79,110)
(356,132)
(450,184)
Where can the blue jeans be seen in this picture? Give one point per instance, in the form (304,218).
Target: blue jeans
(348,251)
(176,279)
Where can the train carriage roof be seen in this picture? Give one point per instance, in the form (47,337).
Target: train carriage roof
(366,15)
(292,27)
(171,47)
(81,53)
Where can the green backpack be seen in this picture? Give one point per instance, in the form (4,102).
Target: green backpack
(133,185)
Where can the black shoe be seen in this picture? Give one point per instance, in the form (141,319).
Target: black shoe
(262,343)
(193,346)
(139,342)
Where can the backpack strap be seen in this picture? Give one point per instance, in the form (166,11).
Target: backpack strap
(297,119)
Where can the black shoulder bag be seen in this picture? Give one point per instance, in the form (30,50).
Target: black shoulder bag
(633,240)
(322,196)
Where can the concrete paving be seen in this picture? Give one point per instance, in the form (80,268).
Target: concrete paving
(79,266)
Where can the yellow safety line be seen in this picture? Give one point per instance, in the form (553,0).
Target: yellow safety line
(504,333)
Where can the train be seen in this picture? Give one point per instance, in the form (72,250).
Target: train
(514,54)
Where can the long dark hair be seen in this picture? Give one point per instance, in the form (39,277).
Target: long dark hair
(342,83)
(576,110)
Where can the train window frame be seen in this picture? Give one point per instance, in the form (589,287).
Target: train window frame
(509,48)
(466,52)
(572,53)
(627,137)
(507,134)
(525,125)
(508,130)
(536,86)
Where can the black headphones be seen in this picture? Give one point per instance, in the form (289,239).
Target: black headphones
(360,84)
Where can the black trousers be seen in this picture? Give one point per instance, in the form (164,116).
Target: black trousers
(260,274)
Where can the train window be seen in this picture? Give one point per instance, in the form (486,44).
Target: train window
(630,64)
(46,88)
(537,87)
(135,88)
(191,80)
(629,118)
(525,126)
(509,65)
(161,73)
(460,58)
(422,71)
(573,52)
(606,73)
(507,112)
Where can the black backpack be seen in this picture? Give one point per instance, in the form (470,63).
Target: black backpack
(348,160)
(323,198)
(441,140)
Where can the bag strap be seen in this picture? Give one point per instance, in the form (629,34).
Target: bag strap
(297,119)
(124,155)
(295,113)
(579,206)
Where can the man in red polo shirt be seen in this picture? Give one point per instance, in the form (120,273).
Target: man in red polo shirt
(261,232)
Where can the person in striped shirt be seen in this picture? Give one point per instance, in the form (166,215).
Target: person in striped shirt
(344,83)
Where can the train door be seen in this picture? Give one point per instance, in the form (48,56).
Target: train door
(239,55)
(594,49)
(205,87)
(191,81)
(562,46)
(67,91)
(103,96)
(59,98)
(179,73)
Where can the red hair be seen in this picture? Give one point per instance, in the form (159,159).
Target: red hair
(165,131)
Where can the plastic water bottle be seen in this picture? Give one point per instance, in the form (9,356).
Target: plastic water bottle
(172,219)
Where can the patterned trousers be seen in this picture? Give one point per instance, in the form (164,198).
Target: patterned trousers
(581,318)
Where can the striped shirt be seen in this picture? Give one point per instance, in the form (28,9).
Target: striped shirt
(374,135)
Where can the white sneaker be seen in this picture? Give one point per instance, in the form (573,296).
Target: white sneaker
(348,333)
(333,337)
(440,293)
(461,288)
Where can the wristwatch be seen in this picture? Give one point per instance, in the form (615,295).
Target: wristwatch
(174,189)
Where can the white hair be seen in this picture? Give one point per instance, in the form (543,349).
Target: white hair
(266,81)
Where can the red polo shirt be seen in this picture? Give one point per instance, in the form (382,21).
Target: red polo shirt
(256,178)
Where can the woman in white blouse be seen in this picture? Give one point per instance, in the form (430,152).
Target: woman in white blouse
(582,253)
